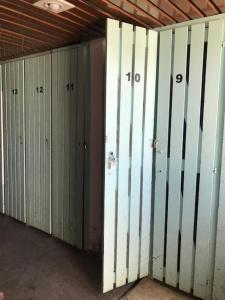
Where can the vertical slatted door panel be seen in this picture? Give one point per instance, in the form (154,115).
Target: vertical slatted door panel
(136,152)
(29,125)
(147,158)
(75,201)
(31,100)
(66,151)
(175,155)
(14,147)
(60,153)
(162,127)
(191,156)
(4,132)
(10,105)
(130,96)
(14,144)
(5,135)
(45,141)
(208,177)
(80,84)
(219,276)
(20,145)
(124,153)
(112,73)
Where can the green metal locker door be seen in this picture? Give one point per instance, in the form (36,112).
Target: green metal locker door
(38,141)
(77,141)
(67,124)
(60,145)
(13,112)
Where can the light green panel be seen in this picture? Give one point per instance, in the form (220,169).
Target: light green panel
(14,146)
(38,141)
(68,97)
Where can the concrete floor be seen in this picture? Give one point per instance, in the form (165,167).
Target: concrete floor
(34,266)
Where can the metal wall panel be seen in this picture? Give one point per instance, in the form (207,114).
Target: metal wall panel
(14,146)
(38,141)
(130,63)
(69,83)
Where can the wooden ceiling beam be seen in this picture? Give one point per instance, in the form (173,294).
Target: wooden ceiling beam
(26,34)
(22,26)
(165,5)
(158,8)
(97,8)
(181,5)
(64,18)
(32,25)
(215,5)
(142,11)
(120,13)
(47,16)
(86,5)
(209,10)
(5,41)
(16,10)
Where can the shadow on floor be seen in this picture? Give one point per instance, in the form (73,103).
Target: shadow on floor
(35,266)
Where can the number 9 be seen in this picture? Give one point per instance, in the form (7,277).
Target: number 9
(179,78)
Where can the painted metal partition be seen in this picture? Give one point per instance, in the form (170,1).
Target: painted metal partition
(130,97)
(69,70)
(14,145)
(38,141)
(189,128)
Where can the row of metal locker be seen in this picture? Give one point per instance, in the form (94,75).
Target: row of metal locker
(44,138)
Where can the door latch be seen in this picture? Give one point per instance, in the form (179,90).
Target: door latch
(111,161)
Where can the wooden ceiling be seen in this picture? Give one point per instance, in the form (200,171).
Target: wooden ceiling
(25,29)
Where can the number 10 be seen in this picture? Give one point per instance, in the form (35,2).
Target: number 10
(137,77)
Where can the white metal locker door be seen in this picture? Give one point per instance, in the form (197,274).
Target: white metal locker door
(38,141)
(130,96)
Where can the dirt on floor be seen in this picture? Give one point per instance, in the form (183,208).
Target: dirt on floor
(148,289)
